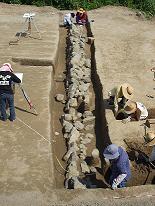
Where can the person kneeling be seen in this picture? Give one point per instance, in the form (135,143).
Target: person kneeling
(134,111)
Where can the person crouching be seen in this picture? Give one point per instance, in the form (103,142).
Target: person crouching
(135,110)
(119,166)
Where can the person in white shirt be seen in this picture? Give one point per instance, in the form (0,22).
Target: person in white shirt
(68,19)
(135,110)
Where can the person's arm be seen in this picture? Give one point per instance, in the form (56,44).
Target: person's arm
(116,102)
(15,78)
(136,115)
(118,180)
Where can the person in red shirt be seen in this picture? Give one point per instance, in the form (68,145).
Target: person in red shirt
(81,16)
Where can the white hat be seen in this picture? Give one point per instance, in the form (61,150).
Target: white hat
(9,66)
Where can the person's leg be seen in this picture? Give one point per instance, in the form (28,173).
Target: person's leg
(11,106)
(3,107)
(111,100)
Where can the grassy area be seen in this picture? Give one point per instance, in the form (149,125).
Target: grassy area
(148,6)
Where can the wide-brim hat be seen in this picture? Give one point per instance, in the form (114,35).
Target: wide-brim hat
(150,139)
(130,107)
(81,10)
(111,152)
(127,91)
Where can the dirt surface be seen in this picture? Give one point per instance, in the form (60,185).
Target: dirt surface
(123,46)
(124,52)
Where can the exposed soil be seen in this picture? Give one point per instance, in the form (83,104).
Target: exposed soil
(140,170)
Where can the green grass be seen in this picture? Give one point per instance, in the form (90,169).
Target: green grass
(148,6)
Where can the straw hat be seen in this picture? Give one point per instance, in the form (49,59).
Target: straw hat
(130,107)
(81,10)
(127,90)
(150,139)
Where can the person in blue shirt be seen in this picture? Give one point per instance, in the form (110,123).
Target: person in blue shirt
(120,166)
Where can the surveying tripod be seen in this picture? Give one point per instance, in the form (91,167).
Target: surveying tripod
(29,20)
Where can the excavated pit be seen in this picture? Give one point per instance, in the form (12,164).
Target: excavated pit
(64,169)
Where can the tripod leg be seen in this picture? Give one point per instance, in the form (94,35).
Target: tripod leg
(36,29)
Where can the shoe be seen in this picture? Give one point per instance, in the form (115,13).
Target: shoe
(11,120)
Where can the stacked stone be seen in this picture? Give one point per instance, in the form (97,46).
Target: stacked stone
(77,120)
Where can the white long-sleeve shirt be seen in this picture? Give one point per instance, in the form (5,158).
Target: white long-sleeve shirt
(67,19)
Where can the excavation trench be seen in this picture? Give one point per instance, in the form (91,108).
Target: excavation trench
(78,117)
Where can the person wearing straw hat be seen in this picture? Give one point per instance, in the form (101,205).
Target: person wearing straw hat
(150,141)
(120,166)
(7,78)
(81,16)
(120,95)
(135,110)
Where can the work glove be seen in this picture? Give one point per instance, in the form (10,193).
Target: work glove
(124,121)
(114,186)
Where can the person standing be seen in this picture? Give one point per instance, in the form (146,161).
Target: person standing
(7,78)
(119,166)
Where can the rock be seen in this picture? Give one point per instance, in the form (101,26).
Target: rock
(93,169)
(84,86)
(72,111)
(67,126)
(87,98)
(73,102)
(89,127)
(82,156)
(68,117)
(66,135)
(86,141)
(79,126)
(59,98)
(74,183)
(84,167)
(74,135)
(75,60)
(73,148)
(72,169)
(87,114)
(89,135)
(88,63)
(79,115)
(88,119)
